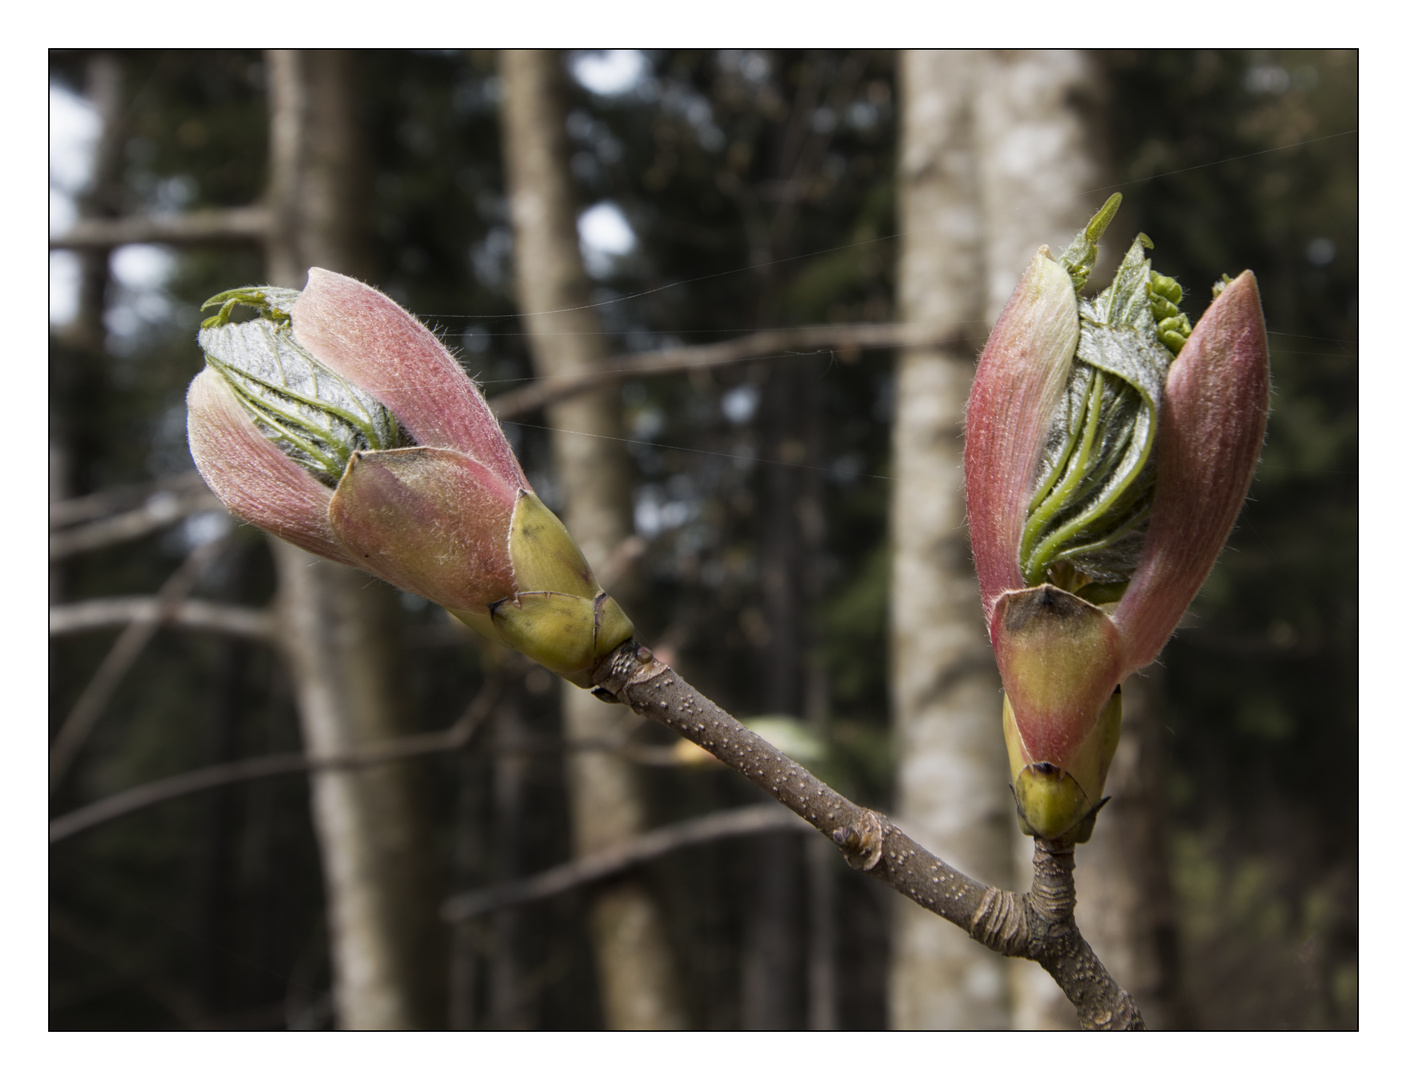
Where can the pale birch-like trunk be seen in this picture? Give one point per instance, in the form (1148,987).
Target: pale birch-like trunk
(951,768)
(1042,162)
(1040,158)
(636,969)
(339,629)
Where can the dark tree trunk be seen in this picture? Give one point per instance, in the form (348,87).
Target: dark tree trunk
(341,631)
(1127,906)
(635,965)
(78,368)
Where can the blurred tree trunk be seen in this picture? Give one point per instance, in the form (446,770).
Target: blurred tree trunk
(795,883)
(508,1005)
(638,980)
(769,999)
(216,871)
(951,783)
(795,877)
(469,870)
(1041,156)
(1127,908)
(79,369)
(822,886)
(341,630)
(1042,149)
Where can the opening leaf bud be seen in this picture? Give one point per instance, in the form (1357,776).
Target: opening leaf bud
(1109,446)
(337,421)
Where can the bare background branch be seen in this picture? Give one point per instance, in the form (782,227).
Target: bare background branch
(763,345)
(638,850)
(119,611)
(237,225)
(159,513)
(139,798)
(78,725)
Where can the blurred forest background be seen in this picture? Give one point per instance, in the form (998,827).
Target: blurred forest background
(744,249)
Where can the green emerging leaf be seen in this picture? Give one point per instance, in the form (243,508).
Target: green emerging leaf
(314,415)
(1096,483)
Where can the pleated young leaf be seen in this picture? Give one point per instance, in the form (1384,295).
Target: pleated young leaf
(338,422)
(1105,464)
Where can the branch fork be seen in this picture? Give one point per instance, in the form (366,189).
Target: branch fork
(1038,925)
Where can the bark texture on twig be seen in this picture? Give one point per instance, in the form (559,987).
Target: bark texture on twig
(1059,947)
(1038,926)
